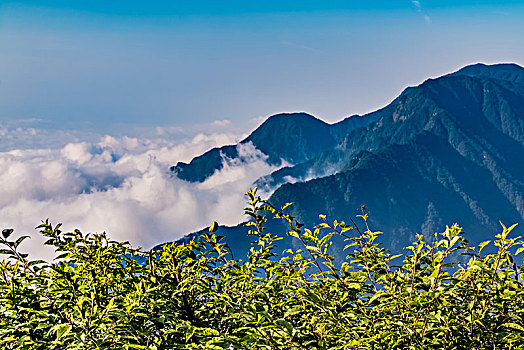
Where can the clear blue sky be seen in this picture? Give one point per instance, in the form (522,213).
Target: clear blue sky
(185,62)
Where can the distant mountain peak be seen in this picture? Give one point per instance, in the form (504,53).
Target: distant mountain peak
(503,71)
(295,116)
(450,149)
(290,137)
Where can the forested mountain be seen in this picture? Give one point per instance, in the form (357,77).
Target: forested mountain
(291,137)
(449,150)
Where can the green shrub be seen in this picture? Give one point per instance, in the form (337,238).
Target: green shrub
(102,294)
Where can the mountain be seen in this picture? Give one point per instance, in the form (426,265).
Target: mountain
(449,150)
(290,137)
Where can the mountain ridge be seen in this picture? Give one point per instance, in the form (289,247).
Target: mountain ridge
(292,144)
(459,111)
(450,149)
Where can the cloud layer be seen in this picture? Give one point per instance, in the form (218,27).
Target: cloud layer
(122,186)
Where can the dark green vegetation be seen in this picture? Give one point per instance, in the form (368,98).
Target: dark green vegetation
(196,296)
(449,150)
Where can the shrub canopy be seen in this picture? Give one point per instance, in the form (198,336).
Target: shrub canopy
(102,294)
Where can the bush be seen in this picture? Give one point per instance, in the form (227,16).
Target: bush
(102,294)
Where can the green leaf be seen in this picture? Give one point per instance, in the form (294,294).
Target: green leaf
(7,232)
(50,241)
(285,206)
(286,324)
(62,330)
(36,262)
(213,227)
(453,241)
(22,340)
(482,245)
(292,234)
(514,326)
(20,240)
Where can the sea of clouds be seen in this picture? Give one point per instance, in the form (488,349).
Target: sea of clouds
(121,185)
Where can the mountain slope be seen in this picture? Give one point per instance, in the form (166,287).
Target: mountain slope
(290,137)
(449,150)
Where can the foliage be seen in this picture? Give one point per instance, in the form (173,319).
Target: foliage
(102,294)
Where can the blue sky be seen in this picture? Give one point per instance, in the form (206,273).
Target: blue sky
(107,64)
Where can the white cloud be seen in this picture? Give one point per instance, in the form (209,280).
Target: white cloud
(123,186)
(417,4)
(225,122)
(77,152)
